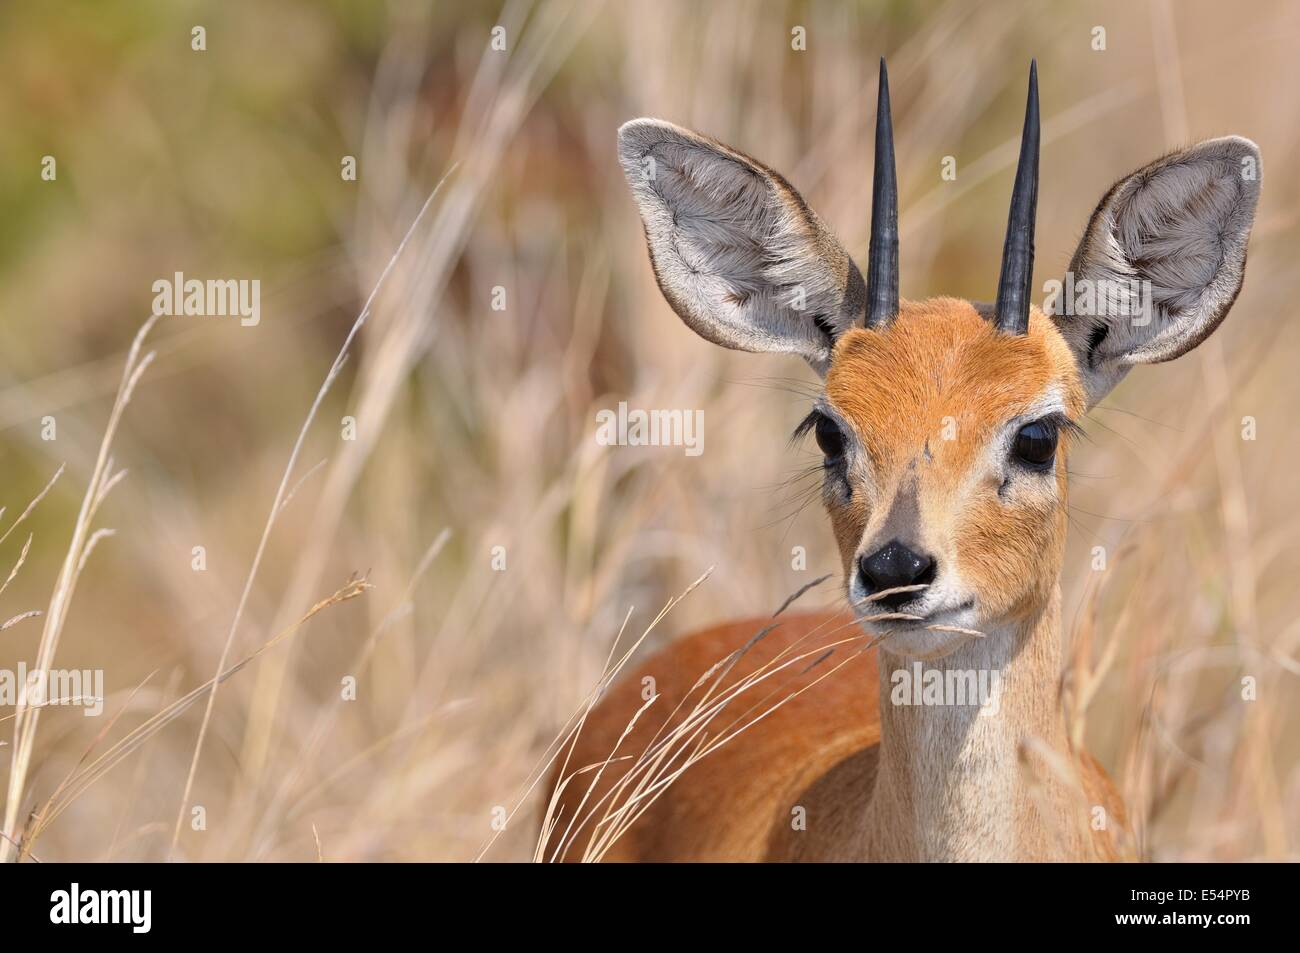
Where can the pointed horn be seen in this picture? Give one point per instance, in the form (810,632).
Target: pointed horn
(882,267)
(1014,287)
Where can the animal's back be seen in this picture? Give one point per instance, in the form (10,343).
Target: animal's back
(726,806)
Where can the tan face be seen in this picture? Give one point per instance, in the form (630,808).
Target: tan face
(951,435)
(950,470)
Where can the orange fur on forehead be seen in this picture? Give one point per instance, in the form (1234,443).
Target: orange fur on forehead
(942,358)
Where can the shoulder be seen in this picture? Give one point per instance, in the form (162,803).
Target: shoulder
(769,705)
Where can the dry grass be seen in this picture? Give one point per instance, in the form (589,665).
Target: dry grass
(475,427)
(693,736)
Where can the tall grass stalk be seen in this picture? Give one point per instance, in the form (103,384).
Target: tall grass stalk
(102,480)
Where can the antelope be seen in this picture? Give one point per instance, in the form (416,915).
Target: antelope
(945,427)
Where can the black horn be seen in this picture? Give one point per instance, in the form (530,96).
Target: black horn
(882,267)
(1014,286)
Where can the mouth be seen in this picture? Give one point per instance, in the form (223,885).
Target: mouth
(955,618)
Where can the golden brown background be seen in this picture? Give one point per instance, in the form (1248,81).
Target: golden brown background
(225,163)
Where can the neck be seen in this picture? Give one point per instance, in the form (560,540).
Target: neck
(949,782)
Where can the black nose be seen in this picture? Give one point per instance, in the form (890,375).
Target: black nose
(891,566)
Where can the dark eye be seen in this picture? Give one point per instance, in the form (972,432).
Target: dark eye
(1035,444)
(829,438)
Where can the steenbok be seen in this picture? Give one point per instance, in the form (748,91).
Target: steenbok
(945,426)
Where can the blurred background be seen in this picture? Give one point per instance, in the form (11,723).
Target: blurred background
(504,544)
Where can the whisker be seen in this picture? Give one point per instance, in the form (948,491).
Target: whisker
(1127,440)
(1150,420)
(1117,519)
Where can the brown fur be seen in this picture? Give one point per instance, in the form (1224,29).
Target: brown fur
(818,751)
(725,807)
(822,752)
(942,360)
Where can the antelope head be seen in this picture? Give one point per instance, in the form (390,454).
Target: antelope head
(945,424)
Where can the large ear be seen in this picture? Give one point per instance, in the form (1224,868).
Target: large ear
(1161,262)
(737,253)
